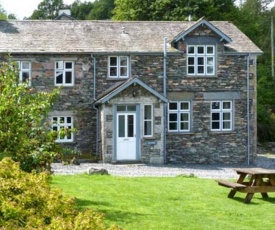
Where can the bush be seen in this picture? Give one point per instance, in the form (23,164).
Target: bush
(28,202)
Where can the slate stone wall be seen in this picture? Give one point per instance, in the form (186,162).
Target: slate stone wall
(200,145)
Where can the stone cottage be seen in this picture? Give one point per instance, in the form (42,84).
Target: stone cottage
(151,92)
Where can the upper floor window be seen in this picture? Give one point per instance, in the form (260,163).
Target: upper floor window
(24,71)
(201,60)
(179,116)
(64,73)
(148,121)
(118,67)
(63,126)
(221,115)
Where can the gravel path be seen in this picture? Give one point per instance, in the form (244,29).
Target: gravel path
(138,170)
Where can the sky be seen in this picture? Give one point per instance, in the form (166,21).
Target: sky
(25,8)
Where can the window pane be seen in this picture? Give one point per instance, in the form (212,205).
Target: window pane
(215,116)
(113,61)
(184,106)
(25,76)
(210,50)
(130,125)
(191,50)
(210,61)
(173,106)
(123,71)
(147,128)
(25,65)
(184,117)
(123,61)
(210,70)
(226,125)
(184,126)
(59,65)
(113,71)
(59,78)
(191,69)
(131,108)
(121,108)
(200,49)
(173,117)
(215,125)
(69,120)
(200,61)
(68,77)
(227,105)
(191,61)
(68,65)
(216,105)
(121,126)
(173,126)
(227,116)
(61,120)
(147,112)
(200,69)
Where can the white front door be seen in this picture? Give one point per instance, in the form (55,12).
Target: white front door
(126,136)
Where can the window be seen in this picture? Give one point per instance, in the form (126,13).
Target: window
(64,73)
(221,115)
(63,125)
(24,71)
(148,121)
(200,60)
(118,67)
(179,116)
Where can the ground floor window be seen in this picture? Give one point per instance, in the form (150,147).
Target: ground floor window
(148,121)
(179,116)
(221,115)
(63,126)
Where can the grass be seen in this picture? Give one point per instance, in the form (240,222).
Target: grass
(167,203)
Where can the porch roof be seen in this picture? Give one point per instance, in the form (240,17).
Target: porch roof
(119,87)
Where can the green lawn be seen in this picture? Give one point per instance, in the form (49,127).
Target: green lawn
(168,203)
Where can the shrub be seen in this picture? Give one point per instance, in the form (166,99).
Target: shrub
(24,131)
(28,202)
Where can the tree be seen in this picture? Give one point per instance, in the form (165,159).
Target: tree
(3,15)
(81,10)
(47,9)
(172,10)
(24,130)
(102,9)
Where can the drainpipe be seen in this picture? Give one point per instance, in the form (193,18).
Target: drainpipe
(248,109)
(164,94)
(94,107)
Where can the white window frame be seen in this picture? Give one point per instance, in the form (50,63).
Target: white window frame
(147,121)
(220,110)
(57,125)
(23,70)
(178,111)
(114,70)
(60,68)
(203,60)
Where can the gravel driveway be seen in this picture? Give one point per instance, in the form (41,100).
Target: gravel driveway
(138,170)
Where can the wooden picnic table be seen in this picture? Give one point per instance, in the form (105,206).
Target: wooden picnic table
(251,181)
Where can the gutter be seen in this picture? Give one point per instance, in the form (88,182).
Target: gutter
(164,94)
(94,106)
(248,109)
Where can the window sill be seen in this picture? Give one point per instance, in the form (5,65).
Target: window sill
(222,132)
(201,76)
(181,133)
(117,78)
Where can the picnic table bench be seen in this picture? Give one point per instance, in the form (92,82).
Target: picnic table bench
(251,181)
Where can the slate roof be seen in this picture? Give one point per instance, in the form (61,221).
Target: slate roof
(74,36)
